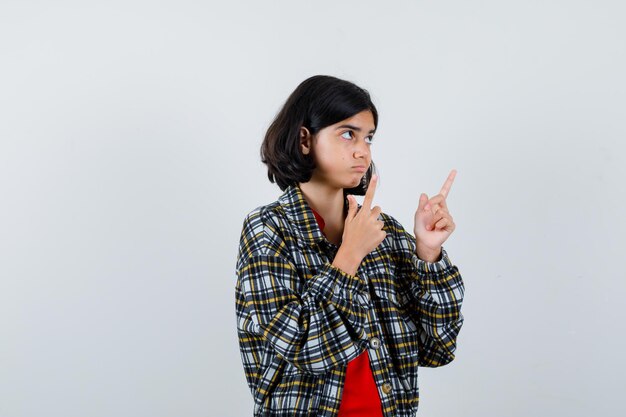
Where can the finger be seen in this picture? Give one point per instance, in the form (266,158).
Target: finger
(437,199)
(422,202)
(369,194)
(438,217)
(351,207)
(441,224)
(434,202)
(447,225)
(446,186)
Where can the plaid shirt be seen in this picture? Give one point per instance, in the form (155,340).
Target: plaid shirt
(300,319)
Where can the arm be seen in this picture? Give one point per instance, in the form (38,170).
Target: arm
(314,323)
(436,290)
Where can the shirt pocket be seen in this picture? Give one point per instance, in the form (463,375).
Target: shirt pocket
(295,394)
(399,333)
(393,308)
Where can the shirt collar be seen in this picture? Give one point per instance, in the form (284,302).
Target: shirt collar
(320,220)
(300,214)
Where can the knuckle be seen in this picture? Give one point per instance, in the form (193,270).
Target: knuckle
(438,199)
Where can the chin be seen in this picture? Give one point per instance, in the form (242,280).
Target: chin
(354,183)
(351,182)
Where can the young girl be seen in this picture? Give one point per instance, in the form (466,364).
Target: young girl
(336,303)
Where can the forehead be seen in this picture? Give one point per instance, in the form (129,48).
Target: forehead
(363,121)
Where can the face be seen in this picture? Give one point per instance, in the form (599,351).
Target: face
(340,148)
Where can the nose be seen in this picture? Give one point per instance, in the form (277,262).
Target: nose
(361,149)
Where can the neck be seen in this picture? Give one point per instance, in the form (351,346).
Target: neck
(328,201)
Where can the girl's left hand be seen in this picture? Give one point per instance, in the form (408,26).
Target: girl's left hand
(433,222)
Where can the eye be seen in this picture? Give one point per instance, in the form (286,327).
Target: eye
(369,139)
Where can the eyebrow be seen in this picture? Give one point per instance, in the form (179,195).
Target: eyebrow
(358,129)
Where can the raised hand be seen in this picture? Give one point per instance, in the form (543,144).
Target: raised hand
(362,230)
(433,222)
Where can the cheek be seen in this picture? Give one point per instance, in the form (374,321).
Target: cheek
(329,157)
(324,162)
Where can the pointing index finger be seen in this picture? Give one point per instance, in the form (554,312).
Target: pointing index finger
(369,194)
(446,186)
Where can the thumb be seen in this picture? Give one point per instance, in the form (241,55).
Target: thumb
(422,202)
(351,207)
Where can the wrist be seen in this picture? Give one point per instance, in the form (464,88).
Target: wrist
(428,254)
(346,260)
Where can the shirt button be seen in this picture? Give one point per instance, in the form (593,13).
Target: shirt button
(386,387)
(374,343)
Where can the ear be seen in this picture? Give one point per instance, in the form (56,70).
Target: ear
(305,140)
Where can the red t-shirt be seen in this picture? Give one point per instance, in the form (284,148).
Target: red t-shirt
(360,395)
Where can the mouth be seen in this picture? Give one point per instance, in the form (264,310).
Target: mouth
(360,168)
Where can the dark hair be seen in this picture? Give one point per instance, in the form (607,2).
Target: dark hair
(318,102)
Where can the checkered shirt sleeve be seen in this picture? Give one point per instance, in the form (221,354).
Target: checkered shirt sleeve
(315,326)
(436,290)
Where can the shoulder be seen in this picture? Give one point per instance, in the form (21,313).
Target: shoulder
(399,237)
(257,218)
(392,225)
(261,227)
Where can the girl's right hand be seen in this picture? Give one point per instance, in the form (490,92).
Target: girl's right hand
(362,231)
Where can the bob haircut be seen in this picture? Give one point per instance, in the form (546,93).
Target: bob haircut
(318,102)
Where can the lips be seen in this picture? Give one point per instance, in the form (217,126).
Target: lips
(360,168)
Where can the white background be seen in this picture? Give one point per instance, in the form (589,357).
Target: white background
(129,156)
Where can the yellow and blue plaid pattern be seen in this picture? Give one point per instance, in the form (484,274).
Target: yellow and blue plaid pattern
(300,320)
